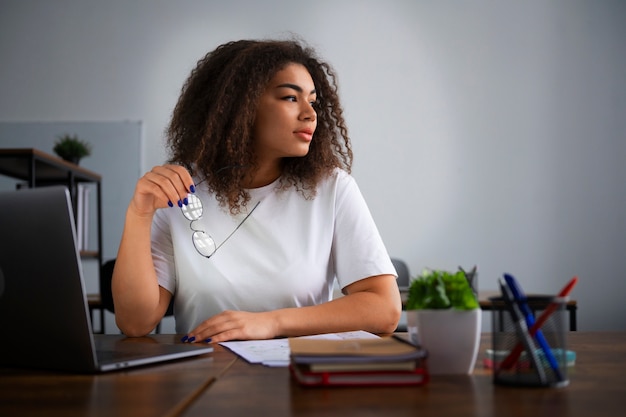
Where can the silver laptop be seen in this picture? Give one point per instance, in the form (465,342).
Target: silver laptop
(44,316)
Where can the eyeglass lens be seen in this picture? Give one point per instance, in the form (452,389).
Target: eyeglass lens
(193,210)
(204,243)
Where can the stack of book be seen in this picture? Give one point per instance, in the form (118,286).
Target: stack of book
(380,361)
(82,216)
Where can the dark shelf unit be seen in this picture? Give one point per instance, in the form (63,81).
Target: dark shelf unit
(39,168)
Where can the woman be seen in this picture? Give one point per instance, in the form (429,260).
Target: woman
(256,215)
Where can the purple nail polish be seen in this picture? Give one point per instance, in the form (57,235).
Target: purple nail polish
(192,188)
(191,339)
(186,201)
(207,340)
(169,203)
(184,339)
(180,203)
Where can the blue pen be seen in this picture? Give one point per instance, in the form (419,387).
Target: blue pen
(520,298)
(522,329)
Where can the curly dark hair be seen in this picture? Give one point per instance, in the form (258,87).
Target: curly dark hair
(210,132)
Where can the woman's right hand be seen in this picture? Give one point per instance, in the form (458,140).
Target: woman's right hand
(163,186)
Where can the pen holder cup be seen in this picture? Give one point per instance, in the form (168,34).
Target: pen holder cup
(530,369)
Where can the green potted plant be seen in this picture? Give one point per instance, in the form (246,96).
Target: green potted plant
(443,315)
(71,148)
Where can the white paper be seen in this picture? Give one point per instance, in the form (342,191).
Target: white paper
(275,352)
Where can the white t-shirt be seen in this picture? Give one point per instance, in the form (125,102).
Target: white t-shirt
(286,254)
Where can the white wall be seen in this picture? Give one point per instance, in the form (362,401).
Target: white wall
(485,132)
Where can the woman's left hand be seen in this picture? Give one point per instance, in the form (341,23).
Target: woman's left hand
(234,325)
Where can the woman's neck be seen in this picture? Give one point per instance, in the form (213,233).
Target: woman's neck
(264,175)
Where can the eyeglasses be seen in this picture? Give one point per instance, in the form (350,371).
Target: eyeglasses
(202,241)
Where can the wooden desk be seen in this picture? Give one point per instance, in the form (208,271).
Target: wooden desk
(140,392)
(597,387)
(485,304)
(571,306)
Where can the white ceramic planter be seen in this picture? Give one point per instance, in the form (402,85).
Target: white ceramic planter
(451,337)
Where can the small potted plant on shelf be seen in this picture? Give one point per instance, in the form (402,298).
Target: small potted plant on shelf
(71,148)
(443,316)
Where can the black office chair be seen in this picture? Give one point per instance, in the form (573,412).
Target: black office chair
(106,295)
(403,273)
(403,283)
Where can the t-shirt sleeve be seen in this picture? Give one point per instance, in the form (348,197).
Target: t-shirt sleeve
(358,249)
(163,252)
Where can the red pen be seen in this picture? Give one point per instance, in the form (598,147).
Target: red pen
(517,350)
